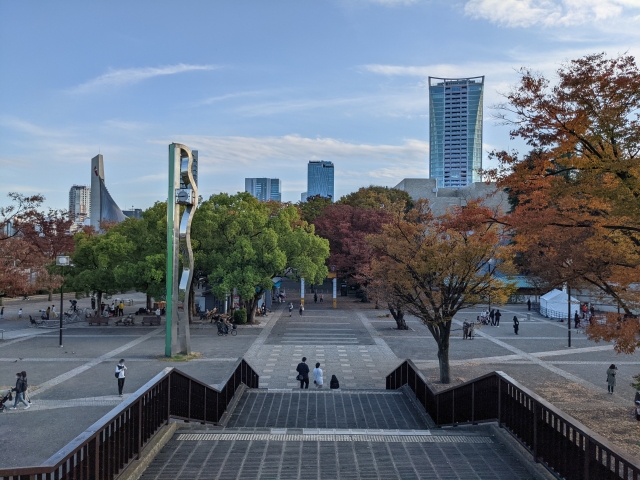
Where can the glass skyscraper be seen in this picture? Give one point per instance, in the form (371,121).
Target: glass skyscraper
(264,189)
(320,179)
(455,130)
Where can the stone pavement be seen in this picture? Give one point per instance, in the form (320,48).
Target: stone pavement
(74,386)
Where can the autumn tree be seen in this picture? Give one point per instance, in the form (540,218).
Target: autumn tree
(22,211)
(576,195)
(346,228)
(437,266)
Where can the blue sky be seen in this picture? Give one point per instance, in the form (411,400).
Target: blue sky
(260,88)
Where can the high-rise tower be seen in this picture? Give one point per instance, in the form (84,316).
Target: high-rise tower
(320,179)
(103,207)
(455,130)
(79,203)
(264,189)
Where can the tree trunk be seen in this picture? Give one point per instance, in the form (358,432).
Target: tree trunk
(148,302)
(441,332)
(250,305)
(50,297)
(398,316)
(99,303)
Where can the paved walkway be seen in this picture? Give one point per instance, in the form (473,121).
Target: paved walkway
(356,343)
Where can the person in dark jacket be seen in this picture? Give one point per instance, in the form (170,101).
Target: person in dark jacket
(303,373)
(516,324)
(19,389)
(576,320)
(611,378)
(497,316)
(529,304)
(492,315)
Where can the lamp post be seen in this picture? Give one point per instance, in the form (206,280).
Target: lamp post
(62,261)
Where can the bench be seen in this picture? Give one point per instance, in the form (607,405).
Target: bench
(150,320)
(98,320)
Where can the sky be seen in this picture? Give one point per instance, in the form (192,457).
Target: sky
(260,88)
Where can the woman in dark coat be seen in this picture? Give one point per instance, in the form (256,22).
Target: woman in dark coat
(611,378)
(516,324)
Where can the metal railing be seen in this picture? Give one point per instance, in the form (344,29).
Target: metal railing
(106,448)
(561,443)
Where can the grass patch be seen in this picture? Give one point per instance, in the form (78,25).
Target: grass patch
(181,358)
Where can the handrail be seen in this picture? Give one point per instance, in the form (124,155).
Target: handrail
(108,446)
(560,442)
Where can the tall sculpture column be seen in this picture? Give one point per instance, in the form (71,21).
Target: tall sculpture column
(183,192)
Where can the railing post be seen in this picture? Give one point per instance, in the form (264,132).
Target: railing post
(473,402)
(535,430)
(168,398)
(453,406)
(189,409)
(140,427)
(499,402)
(205,406)
(587,451)
(97,456)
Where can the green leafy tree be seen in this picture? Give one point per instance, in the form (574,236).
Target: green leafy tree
(95,260)
(243,244)
(144,268)
(312,207)
(377,197)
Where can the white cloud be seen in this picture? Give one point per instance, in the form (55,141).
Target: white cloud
(135,75)
(551,13)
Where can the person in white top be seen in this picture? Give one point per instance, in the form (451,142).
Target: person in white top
(120,368)
(317,376)
(158,312)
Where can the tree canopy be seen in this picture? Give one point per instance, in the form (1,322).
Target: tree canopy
(243,244)
(576,195)
(377,197)
(437,266)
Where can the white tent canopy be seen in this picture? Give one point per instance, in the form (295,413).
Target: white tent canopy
(554,304)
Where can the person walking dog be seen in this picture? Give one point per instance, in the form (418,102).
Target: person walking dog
(120,368)
(611,378)
(303,373)
(516,324)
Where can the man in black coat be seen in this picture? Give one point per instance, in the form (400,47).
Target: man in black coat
(497,317)
(303,373)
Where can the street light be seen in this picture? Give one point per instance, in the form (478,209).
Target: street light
(62,261)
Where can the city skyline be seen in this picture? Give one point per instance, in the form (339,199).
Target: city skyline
(264,189)
(264,88)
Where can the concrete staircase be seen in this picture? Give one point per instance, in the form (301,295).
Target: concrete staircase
(334,434)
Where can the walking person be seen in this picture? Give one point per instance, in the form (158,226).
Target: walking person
(54,314)
(290,308)
(497,317)
(121,308)
(120,368)
(516,324)
(321,299)
(19,389)
(315,297)
(48,312)
(611,377)
(576,320)
(2,313)
(158,313)
(317,376)
(19,313)
(26,387)
(492,316)
(529,304)
(301,309)
(303,373)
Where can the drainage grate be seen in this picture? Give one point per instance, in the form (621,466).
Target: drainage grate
(333,438)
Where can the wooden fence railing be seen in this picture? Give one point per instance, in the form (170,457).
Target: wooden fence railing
(105,449)
(558,441)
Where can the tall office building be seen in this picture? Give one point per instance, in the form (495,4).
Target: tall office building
(264,189)
(455,130)
(319,179)
(79,203)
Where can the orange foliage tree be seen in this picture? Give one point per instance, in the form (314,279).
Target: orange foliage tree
(437,266)
(575,197)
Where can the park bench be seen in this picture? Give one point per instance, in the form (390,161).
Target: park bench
(98,320)
(150,320)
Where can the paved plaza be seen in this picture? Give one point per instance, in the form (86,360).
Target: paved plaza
(74,386)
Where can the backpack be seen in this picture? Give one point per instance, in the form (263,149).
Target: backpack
(25,385)
(118,371)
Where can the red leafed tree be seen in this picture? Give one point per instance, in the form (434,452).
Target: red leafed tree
(19,266)
(346,228)
(49,236)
